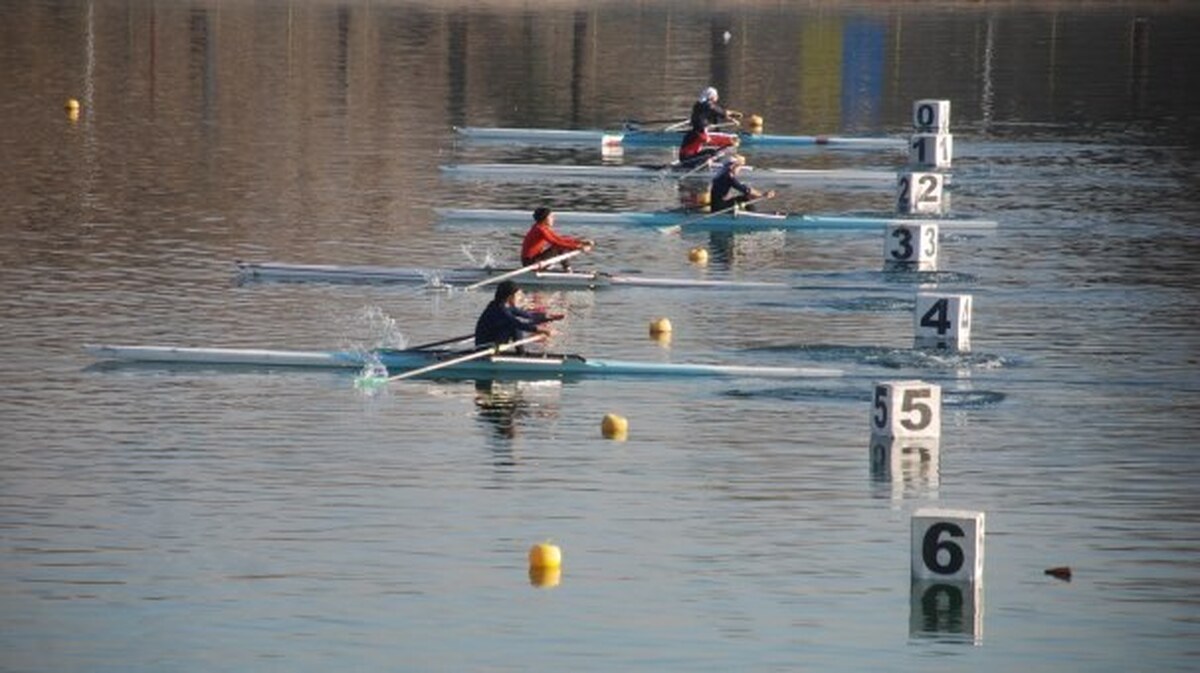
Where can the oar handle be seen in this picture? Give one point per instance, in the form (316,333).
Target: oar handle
(524,269)
(475,355)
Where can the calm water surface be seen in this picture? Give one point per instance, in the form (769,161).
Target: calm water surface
(200,519)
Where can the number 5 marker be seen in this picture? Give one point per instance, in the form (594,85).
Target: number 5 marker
(906,409)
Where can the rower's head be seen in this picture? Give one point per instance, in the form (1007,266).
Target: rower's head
(734,162)
(709,95)
(507,292)
(543,214)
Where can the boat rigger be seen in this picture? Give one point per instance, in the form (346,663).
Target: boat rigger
(691,221)
(584,280)
(498,365)
(662,138)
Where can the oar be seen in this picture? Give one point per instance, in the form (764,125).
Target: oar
(632,124)
(524,269)
(707,162)
(474,355)
(677,227)
(443,342)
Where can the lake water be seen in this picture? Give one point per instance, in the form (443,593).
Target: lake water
(205,518)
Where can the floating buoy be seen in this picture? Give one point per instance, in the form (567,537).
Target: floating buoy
(71,104)
(614,427)
(545,555)
(660,326)
(545,578)
(1061,572)
(755,123)
(698,255)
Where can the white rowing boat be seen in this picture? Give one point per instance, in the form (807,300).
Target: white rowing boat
(493,366)
(586,280)
(840,177)
(742,221)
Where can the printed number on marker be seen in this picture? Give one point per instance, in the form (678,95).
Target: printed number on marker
(928,184)
(912,403)
(931,545)
(925,115)
(906,246)
(937,316)
(881,410)
(919,144)
(931,235)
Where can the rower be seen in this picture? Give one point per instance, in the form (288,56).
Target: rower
(698,146)
(721,195)
(706,111)
(504,321)
(542,242)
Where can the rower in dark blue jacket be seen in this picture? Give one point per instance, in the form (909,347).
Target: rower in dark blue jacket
(503,320)
(728,190)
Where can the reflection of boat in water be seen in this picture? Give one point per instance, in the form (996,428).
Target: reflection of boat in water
(543,365)
(504,404)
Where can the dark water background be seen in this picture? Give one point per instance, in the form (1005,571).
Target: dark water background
(199,519)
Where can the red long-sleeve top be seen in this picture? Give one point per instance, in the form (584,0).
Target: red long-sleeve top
(541,237)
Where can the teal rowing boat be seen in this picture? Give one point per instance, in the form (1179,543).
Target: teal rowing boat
(576,280)
(699,221)
(494,366)
(664,138)
(843,178)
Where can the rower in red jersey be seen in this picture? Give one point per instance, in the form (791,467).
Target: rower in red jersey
(542,242)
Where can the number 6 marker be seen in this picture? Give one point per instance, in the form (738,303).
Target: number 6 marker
(947,545)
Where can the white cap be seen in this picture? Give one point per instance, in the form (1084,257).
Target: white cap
(709,93)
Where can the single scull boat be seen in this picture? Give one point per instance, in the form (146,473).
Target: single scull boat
(282,271)
(840,177)
(742,221)
(538,365)
(663,138)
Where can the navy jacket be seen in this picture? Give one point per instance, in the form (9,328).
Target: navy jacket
(720,197)
(500,323)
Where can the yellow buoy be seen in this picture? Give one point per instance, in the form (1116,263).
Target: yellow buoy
(755,123)
(545,578)
(545,555)
(71,104)
(660,326)
(698,255)
(614,427)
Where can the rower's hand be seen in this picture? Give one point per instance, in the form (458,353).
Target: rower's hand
(588,244)
(734,114)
